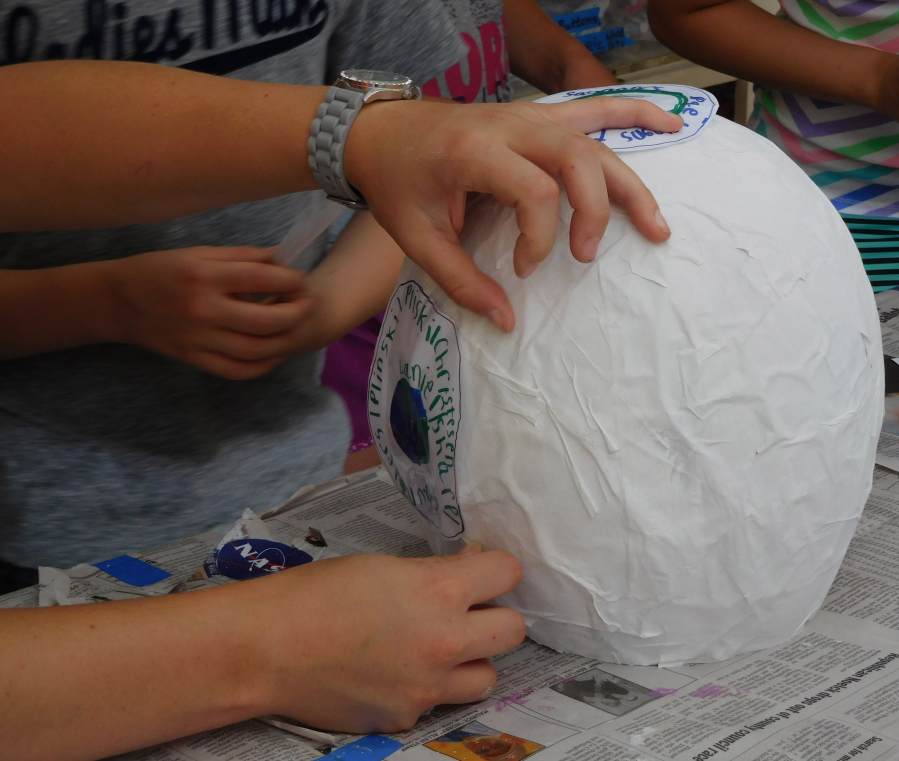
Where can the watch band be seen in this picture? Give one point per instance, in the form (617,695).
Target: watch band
(327,142)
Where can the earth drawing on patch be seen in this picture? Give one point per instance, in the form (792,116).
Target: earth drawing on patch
(409,422)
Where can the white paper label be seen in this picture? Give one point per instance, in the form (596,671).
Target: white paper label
(694,105)
(413,405)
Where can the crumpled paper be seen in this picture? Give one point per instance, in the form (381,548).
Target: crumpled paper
(677,440)
(137,577)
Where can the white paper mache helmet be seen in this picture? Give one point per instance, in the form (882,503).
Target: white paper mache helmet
(677,440)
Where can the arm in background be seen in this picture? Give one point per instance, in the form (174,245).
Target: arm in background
(183,303)
(739,38)
(352,284)
(547,56)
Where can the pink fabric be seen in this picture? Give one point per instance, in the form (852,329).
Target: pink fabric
(347,364)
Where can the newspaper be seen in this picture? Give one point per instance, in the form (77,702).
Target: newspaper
(829,694)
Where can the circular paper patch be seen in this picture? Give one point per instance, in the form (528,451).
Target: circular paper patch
(694,105)
(413,405)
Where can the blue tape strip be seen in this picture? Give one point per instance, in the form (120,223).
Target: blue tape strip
(133,571)
(370,748)
(579,20)
(607,40)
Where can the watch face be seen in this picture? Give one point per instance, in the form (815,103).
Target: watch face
(368,79)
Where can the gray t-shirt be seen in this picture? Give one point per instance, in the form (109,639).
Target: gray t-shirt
(110,447)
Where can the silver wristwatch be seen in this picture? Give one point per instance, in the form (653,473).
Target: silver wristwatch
(352,90)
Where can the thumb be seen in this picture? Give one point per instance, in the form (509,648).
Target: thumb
(441,255)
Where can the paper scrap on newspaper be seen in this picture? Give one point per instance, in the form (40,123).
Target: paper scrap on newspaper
(128,576)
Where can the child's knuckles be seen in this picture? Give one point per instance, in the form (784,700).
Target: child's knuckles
(443,650)
(590,220)
(424,695)
(196,272)
(580,148)
(402,719)
(201,311)
(448,590)
(541,190)
(468,144)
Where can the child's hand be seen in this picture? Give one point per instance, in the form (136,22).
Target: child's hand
(187,304)
(367,643)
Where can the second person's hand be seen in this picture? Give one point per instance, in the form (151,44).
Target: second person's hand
(192,304)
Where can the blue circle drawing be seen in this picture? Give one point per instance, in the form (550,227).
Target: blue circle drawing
(409,422)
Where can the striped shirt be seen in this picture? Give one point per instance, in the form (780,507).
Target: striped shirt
(849,151)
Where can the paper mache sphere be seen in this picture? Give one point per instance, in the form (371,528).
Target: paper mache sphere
(676,440)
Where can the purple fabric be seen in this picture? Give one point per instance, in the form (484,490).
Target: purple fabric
(347,365)
(884,211)
(808,128)
(858,8)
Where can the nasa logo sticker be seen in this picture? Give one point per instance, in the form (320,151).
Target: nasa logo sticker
(414,405)
(696,107)
(249,558)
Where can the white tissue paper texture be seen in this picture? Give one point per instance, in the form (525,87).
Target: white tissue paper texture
(678,440)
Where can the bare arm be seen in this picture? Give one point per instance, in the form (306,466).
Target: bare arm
(359,644)
(739,38)
(185,303)
(352,284)
(545,55)
(131,143)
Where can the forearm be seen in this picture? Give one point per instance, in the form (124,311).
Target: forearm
(56,308)
(84,682)
(545,55)
(92,144)
(352,284)
(737,37)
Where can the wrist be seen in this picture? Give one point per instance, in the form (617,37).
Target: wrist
(257,683)
(82,298)
(367,137)
(104,311)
